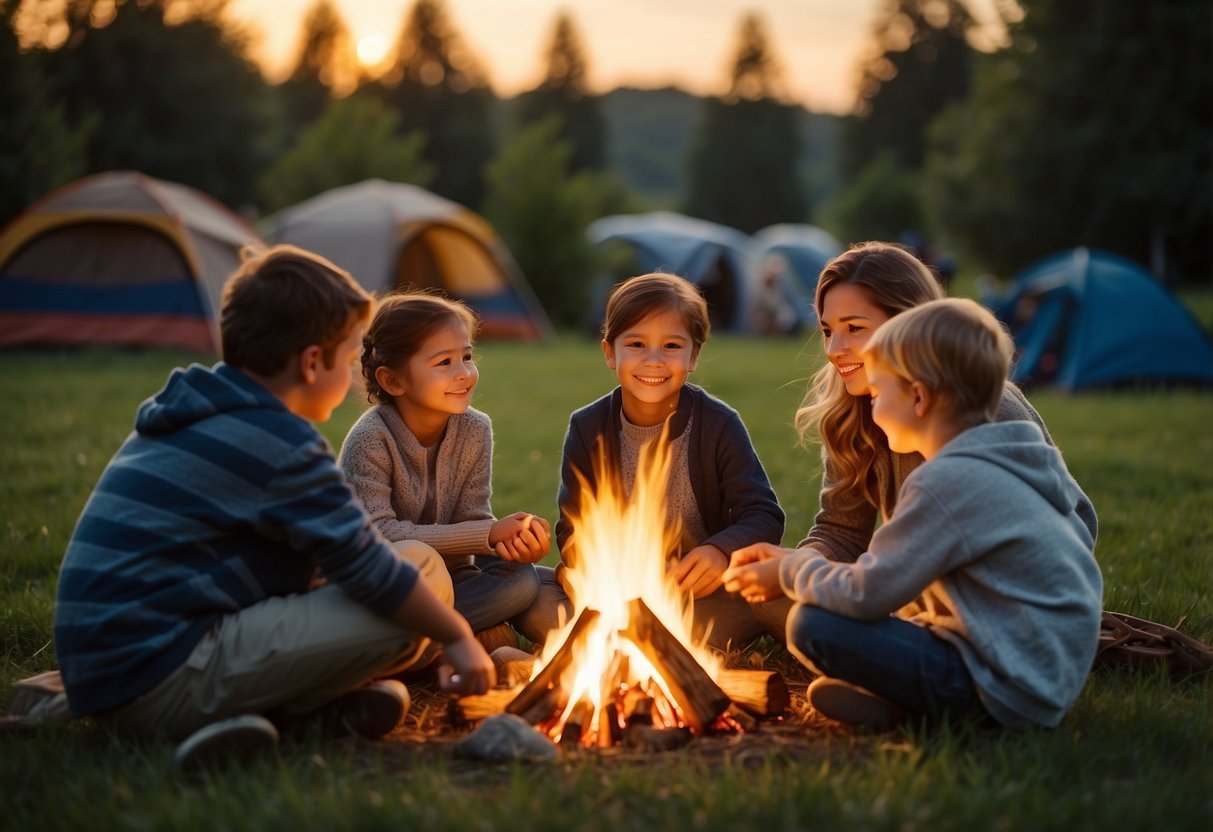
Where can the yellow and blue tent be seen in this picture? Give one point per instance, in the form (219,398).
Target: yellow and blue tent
(119,258)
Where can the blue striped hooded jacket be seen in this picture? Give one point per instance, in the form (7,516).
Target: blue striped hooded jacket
(219,499)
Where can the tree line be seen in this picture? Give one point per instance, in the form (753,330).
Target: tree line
(1089,125)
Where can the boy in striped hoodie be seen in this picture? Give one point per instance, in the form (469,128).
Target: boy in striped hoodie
(186,603)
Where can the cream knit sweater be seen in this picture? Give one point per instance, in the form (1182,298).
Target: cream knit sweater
(386,466)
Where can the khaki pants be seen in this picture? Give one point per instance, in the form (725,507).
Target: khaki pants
(291,654)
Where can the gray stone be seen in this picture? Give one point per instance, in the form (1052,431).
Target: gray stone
(504,737)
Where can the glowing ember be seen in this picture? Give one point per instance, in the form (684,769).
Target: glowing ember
(621,546)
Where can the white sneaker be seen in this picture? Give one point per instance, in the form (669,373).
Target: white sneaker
(845,702)
(228,740)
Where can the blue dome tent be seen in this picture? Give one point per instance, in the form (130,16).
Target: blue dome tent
(1086,318)
(805,249)
(716,258)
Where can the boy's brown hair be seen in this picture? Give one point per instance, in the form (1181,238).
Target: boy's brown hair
(401,325)
(282,300)
(955,348)
(638,297)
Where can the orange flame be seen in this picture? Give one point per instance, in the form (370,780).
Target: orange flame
(621,547)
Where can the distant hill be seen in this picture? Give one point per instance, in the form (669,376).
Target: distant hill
(650,133)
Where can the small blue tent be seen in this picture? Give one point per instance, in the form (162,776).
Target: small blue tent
(716,258)
(805,249)
(1085,318)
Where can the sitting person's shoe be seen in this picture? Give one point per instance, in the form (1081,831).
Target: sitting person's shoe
(845,702)
(370,711)
(502,635)
(231,740)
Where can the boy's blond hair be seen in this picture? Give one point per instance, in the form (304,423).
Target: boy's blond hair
(282,300)
(955,348)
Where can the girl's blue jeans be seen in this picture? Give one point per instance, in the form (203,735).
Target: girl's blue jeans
(493,591)
(890,656)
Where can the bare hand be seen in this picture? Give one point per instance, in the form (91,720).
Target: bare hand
(699,572)
(521,537)
(753,572)
(466,668)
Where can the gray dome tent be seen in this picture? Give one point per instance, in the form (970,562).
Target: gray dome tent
(716,258)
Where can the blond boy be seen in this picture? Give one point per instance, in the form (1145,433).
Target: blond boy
(981,595)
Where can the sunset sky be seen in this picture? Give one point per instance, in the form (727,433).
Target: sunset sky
(819,43)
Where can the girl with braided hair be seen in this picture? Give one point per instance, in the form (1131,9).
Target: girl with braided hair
(420,460)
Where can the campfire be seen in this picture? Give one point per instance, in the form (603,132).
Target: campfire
(626,669)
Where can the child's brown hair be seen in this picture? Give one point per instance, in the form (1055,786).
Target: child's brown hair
(402,323)
(282,300)
(638,297)
(955,348)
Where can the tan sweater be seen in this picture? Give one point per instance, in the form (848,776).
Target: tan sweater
(388,470)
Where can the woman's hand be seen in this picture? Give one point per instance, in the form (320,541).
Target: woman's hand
(700,570)
(753,572)
(520,537)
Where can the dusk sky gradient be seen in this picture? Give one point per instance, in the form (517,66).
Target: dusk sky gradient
(690,43)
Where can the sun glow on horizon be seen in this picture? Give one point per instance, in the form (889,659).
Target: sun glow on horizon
(819,43)
(372,50)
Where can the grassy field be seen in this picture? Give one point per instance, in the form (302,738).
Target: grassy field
(1136,752)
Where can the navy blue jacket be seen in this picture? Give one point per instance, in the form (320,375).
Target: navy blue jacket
(731,488)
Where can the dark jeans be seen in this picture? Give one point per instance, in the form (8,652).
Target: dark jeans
(552,608)
(493,591)
(890,656)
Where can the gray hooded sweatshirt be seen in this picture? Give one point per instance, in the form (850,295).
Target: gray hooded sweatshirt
(986,548)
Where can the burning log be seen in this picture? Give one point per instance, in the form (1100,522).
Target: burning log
(761,692)
(638,710)
(464,709)
(543,696)
(700,699)
(738,717)
(609,732)
(580,719)
(647,738)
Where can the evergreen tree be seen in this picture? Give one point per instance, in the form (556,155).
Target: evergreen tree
(357,138)
(1092,127)
(39,150)
(181,102)
(541,211)
(563,93)
(324,65)
(923,62)
(437,88)
(742,168)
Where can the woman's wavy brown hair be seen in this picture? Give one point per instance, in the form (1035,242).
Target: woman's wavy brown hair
(893,280)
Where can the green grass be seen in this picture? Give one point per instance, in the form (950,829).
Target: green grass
(1136,752)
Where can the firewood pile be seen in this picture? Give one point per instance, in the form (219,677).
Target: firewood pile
(751,712)
(791,736)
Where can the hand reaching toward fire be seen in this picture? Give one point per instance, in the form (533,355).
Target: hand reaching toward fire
(699,572)
(466,668)
(753,572)
(520,537)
